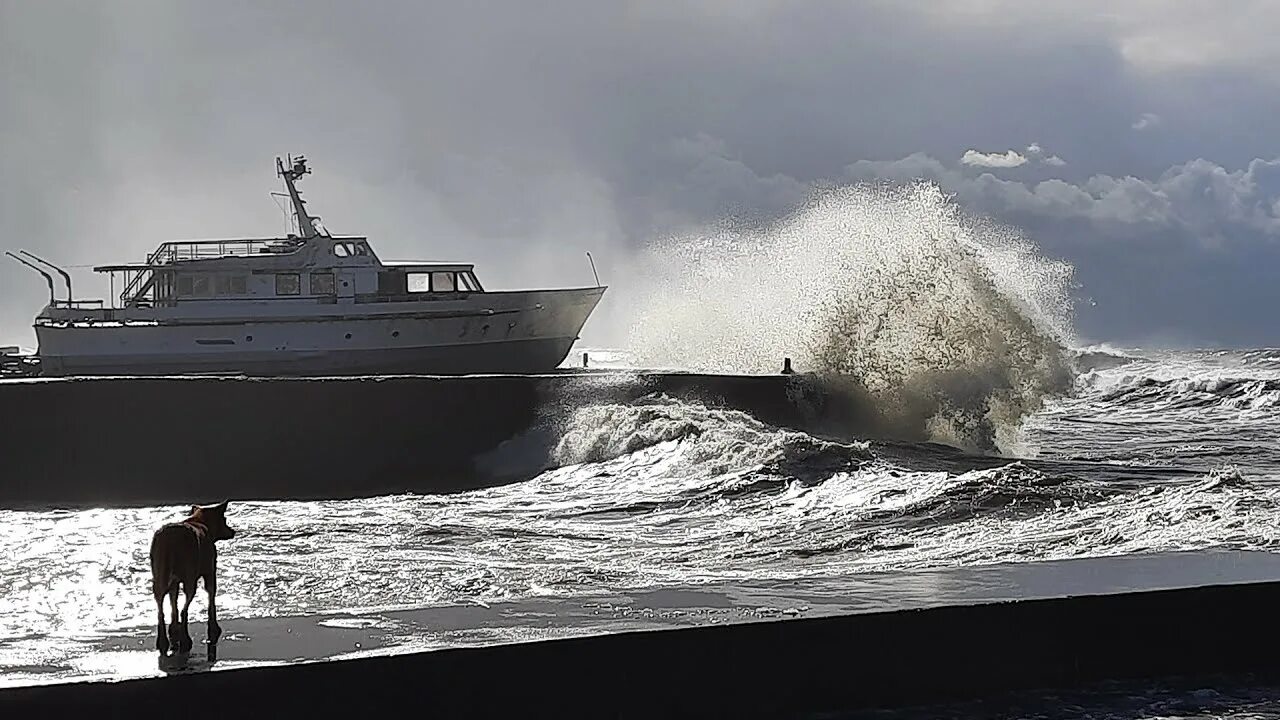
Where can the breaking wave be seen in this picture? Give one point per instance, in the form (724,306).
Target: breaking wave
(1190,382)
(711,441)
(953,326)
(725,482)
(1183,393)
(1102,358)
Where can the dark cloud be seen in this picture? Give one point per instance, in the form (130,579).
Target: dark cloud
(520,135)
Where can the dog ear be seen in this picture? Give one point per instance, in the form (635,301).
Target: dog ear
(195,509)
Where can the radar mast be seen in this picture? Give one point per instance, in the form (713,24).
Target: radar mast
(296,168)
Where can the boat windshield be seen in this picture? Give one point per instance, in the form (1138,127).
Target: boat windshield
(350,249)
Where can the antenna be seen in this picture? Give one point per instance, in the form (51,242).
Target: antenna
(60,271)
(47,277)
(284,211)
(593,268)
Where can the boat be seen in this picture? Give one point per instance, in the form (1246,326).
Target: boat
(16,363)
(306,304)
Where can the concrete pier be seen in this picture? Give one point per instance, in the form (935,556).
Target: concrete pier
(751,650)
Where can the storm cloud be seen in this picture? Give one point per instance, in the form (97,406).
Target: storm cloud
(520,135)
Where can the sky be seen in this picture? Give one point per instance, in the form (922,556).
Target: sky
(1137,140)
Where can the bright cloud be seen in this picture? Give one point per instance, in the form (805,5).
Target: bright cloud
(1008,159)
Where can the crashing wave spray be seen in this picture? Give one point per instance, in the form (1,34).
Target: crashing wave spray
(954,326)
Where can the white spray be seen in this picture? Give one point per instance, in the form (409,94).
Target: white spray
(950,323)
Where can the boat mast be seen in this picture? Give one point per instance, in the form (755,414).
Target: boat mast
(297,168)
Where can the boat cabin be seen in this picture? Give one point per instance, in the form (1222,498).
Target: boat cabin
(311,265)
(318,269)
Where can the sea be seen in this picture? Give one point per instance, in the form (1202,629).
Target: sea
(958,332)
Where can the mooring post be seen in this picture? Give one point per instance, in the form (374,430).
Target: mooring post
(584,360)
(786,366)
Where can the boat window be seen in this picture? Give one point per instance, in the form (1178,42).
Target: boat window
(391,282)
(419,282)
(466,283)
(442,282)
(322,283)
(184,286)
(287,284)
(350,249)
(200,286)
(229,285)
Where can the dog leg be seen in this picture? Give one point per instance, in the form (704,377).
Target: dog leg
(162,638)
(215,631)
(189,591)
(174,637)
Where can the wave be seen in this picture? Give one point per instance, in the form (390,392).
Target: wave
(1012,490)
(1020,515)
(805,496)
(662,453)
(756,499)
(1102,358)
(696,448)
(1195,393)
(949,323)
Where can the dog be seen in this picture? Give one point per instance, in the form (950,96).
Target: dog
(182,553)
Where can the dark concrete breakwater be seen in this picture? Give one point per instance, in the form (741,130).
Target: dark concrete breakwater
(155,440)
(890,639)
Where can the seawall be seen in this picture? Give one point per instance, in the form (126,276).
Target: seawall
(956,634)
(155,440)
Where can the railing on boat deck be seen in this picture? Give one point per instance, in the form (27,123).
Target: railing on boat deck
(203,249)
(171,252)
(132,289)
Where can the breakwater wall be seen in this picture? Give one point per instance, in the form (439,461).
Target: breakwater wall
(156,440)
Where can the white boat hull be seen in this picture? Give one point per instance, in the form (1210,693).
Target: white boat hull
(512,333)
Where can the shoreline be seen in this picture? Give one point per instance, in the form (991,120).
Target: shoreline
(837,643)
